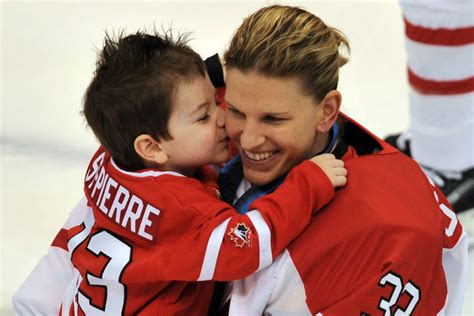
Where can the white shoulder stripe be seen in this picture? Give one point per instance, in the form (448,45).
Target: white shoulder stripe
(77,215)
(145,174)
(264,237)
(80,237)
(212,252)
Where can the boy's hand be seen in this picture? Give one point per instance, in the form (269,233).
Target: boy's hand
(333,168)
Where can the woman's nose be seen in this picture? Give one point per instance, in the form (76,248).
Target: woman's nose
(251,137)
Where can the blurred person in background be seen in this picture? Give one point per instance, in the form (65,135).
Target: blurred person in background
(440,61)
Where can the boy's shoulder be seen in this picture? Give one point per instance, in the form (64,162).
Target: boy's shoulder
(137,203)
(106,184)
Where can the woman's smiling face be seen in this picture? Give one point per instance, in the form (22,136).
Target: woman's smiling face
(271,122)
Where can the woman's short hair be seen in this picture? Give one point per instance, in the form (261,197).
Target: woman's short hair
(285,41)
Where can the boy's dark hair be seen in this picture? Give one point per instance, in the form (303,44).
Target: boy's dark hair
(133,89)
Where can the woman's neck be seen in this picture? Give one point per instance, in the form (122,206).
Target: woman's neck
(326,142)
(321,141)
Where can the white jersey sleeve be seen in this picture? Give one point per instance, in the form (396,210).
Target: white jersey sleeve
(455,257)
(456,269)
(42,291)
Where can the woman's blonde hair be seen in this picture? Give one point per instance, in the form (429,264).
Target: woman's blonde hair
(286,41)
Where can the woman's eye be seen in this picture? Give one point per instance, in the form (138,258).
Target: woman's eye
(204,118)
(273,119)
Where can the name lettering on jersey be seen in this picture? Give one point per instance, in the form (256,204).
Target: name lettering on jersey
(116,201)
(240,235)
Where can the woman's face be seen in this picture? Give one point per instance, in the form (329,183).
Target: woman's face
(271,122)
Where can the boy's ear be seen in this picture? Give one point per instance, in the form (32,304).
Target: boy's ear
(329,110)
(150,150)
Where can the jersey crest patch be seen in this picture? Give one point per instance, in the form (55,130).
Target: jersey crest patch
(240,235)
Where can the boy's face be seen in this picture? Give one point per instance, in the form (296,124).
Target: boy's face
(197,127)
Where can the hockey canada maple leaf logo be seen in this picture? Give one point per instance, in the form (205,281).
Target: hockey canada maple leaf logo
(240,235)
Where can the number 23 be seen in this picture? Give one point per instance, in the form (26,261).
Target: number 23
(119,255)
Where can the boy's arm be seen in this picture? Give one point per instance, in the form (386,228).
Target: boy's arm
(230,246)
(42,291)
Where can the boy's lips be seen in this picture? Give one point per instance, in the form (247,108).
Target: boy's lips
(224,139)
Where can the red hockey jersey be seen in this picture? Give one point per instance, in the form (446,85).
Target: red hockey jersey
(388,244)
(137,239)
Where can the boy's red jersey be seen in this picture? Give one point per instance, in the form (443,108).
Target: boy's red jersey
(146,237)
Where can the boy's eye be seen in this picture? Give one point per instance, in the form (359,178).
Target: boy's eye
(235,112)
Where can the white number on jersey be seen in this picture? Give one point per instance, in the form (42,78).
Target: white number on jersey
(103,243)
(398,290)
(118,254)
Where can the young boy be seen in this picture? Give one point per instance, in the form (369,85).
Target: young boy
(151,222)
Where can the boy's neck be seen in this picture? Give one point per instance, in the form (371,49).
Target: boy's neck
(188,172)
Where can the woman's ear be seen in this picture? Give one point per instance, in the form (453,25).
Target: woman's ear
(329,110)
(150,150)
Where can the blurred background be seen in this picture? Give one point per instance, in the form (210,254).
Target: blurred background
(48,52)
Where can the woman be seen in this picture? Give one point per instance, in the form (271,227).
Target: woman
(388,242)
